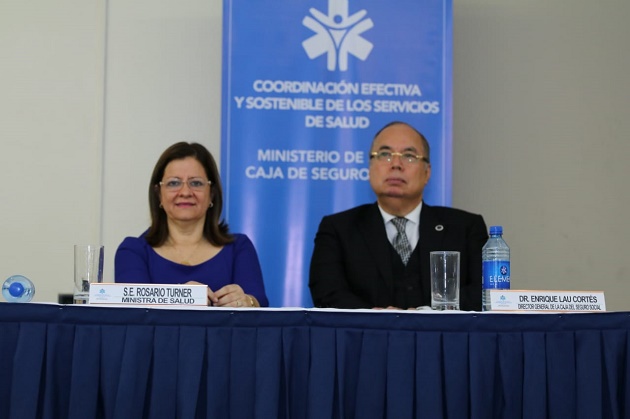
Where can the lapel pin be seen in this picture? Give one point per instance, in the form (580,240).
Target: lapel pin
(439,227)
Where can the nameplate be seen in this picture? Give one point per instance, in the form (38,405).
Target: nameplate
(527,300)
(149,294)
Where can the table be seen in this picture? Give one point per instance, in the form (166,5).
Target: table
(63,361)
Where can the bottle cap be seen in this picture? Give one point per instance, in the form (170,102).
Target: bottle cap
(16,289)
(494,230)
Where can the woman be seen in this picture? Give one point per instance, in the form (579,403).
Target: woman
(187,242)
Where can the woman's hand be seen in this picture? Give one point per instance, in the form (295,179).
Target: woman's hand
(232,295)
(212,299)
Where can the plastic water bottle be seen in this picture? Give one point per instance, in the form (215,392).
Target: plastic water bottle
(18,289)
(495,257)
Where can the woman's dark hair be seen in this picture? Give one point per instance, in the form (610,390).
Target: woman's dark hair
(214,230)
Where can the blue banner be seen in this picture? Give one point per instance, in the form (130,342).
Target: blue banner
(306,85)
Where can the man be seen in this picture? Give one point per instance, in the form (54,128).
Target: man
(355,263)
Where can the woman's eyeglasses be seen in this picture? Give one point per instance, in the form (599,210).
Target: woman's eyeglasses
(194,184)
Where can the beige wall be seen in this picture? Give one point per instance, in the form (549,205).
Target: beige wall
(542,136)
(51,137)
(91,91)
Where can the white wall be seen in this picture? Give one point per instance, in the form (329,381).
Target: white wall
(542,136)
(51,137)
(92,91)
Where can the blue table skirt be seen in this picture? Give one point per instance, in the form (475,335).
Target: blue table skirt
(92,362)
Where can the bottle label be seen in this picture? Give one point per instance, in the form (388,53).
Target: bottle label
(496,274)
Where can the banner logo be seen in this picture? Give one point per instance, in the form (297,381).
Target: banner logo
(337,35)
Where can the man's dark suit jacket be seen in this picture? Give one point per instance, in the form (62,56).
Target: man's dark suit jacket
(352,262)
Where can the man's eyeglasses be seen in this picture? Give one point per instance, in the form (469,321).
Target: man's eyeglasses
(195,184)
(405,157)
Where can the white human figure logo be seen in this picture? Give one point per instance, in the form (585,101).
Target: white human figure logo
(337,34)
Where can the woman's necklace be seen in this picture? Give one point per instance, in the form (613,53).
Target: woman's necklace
(186,258)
